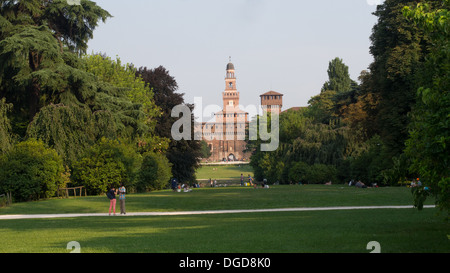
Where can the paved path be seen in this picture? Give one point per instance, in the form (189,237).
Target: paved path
(175,213)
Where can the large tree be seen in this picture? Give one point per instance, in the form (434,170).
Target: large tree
(37,39)
(64,99)
(429,140)
(184,155)
(399,49)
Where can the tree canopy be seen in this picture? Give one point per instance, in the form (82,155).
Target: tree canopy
(391,127)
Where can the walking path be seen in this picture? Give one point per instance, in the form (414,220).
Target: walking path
(175,213)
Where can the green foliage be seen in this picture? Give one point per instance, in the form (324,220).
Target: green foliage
(36,37)
(372,163)
(338,77)
(326,141)
(184,155)
(155,173)
(298,172)
(107,100)
(420,195)
(5,127)
(304,142)
(72,102)
(31,171)
(312,174)
(429,136)
(206,152)
(321,173)
(125,77)
(322,106)
(56,97)
(74,25)
(107,163)
(70,130)
(399,49)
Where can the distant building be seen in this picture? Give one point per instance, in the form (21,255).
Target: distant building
(225,136)
(272,102)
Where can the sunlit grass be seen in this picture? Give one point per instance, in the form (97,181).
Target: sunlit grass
(283,232)
(226,198)
(223,172)
(405,230)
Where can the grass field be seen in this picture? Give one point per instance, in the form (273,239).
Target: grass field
(405,230)
(224,172)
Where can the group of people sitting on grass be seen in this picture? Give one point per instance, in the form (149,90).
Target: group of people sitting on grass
(361,185)
(183,187)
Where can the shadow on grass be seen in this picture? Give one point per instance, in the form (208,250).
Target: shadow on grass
(283,232)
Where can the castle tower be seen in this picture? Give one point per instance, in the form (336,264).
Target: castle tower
(230,95)
(272,102)
(226,136)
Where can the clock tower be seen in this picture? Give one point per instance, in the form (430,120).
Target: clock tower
(230,95)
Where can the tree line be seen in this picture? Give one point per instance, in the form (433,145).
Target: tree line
(67,117)
(388,129)
(71,118)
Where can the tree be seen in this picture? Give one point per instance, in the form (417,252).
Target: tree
(428,144)
(106,164)
(124,76)
(206,151)
(155,172)
(322,106)
(102,102)
(336,95)
(184,155)
(338,77)
(399,49)
(36,38)
(31,171)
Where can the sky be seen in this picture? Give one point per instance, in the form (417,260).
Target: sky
(279,45)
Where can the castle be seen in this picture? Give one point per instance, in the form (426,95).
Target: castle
(225,136)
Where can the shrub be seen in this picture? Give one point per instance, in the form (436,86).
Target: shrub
(321,173)
(313,174)
(298,172)
(155,172)
(108,163)
(31,171)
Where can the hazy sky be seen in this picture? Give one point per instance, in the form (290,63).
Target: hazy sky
(280,45)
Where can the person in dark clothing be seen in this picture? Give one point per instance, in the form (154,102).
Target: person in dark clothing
(112,200)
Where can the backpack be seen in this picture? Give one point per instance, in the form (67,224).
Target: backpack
(108,194)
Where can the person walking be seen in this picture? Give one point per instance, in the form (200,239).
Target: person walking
(122,191)
(112,200)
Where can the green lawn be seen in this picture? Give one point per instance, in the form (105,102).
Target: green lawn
(227,198)
(405,230)
(224,172)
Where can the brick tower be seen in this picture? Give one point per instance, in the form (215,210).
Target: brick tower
(226,136)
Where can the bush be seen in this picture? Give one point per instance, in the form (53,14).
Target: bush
(108,163)
(31,171)
(321,173)
(298,172)
(313,174)
(155,172)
